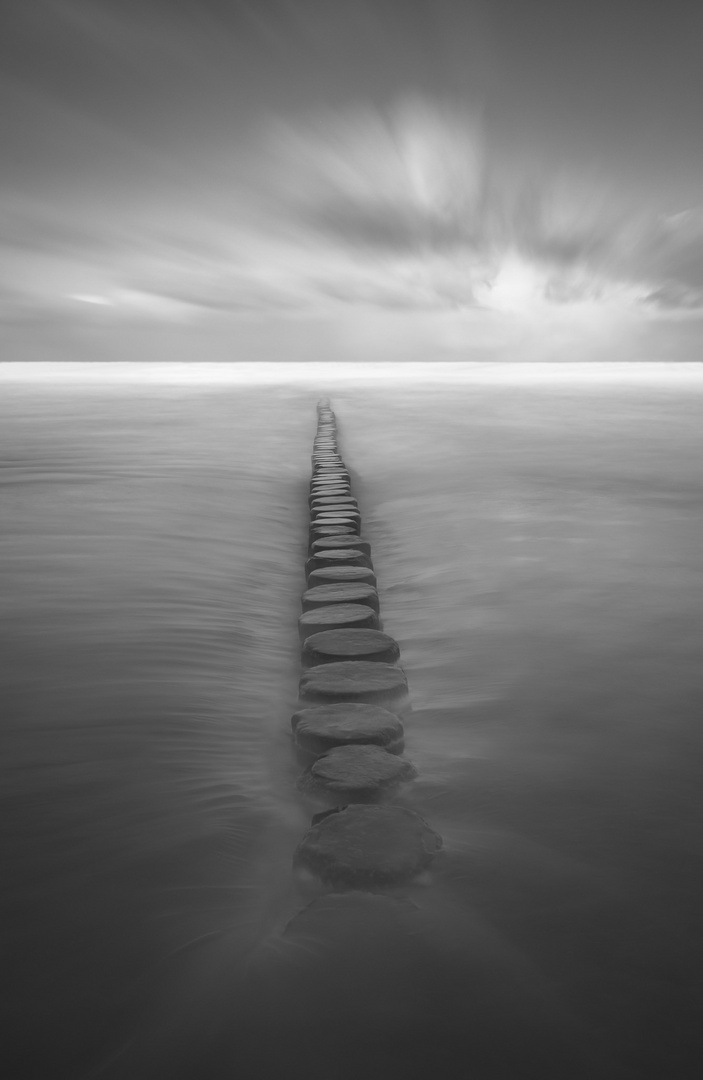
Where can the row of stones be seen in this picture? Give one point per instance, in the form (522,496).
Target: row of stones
(352,694)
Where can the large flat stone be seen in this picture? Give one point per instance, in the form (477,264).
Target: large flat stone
(336,557)
(348,774)
(333,491)
(333,646)
(347,723)
(333,502)
(318,531)
(335,616)
(366,846)
(327,574)
(355,680)
(329,543)
(355,592)
(336,519)
(319,513)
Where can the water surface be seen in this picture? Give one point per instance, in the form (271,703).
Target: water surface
(537,543)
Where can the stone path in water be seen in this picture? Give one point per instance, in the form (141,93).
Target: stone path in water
(352,695)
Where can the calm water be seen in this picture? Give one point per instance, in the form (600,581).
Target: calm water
(538,547)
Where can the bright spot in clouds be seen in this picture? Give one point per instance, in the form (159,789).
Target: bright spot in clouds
(87,298)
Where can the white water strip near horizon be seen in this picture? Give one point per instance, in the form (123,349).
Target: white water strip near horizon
(331,373)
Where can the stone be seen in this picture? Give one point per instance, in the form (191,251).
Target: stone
(328,543)
(346,723)
(356,592)
(333,501)
(327,574)
(345,522)
(322,516)
(348,774)
(318,531)
(336,557)
(364,846)
(335,616)
(335,491)
(351,643)
(355,680)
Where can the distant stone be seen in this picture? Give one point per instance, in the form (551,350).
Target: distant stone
(356,774)
(327,574)
(346,509)
(366,846)
(336,557)
(347,723)
(333,646)
(336,490)
(336,519)
(318,531)
(336,616)
(355,680)
(334,501)
(356,592)
(329,543)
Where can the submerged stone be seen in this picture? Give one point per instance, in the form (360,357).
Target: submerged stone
(352,643)
(356,774)
(364,846)
(356,592)
(348,723)
(336,616)
(341,573)
(355,680)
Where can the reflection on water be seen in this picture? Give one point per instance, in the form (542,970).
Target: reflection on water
(538,554)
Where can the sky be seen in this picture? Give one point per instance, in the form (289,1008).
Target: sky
(312,179)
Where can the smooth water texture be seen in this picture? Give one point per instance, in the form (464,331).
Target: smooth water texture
(537,542)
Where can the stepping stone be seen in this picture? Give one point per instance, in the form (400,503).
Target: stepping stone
(365,846)
(355,680)
(342,573)
(318,531)
(348,774)
(349,523)
(322,517)
(330,472)
(336,491)
(347,723)
(336,616)
(358,592)
(333,501)
(336,557)
(329,543)
(332,646)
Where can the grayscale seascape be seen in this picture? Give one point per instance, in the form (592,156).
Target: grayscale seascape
(537,542)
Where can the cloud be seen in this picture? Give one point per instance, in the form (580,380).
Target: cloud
(406,207)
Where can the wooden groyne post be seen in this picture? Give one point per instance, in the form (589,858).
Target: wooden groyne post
(352,695)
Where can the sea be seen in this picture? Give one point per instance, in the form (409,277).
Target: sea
(536,533)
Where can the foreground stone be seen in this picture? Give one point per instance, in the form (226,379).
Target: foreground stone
(348,774)
(366,846)
(348,723)
(353,643)
(356,592)
(335,616)
(355,680)
(341,573)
